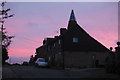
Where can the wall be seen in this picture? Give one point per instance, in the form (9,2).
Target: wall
(52,50)
(83,59)
(40,52)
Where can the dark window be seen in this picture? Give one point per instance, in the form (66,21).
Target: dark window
(59,41)
(54,45)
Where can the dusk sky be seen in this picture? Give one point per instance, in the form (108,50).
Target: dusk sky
(34,21)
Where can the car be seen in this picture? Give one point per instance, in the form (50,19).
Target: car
(25,63)
(40,62)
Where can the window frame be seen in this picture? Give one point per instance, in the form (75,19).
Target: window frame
(75,39)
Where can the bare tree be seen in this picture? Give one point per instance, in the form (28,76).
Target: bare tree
(6,39)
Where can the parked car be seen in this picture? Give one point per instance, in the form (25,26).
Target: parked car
(40,62)
(25,63)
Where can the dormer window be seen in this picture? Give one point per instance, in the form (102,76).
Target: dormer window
(75,40)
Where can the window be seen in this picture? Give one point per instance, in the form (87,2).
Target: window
(54,45)
(75,40)
(48,48)
(49,58)
(59,41)
(41,60)
(59,53)
(93,57)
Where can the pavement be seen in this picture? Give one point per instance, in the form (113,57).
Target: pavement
(32,72)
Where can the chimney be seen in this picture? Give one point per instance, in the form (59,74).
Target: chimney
(62,30)
(44,42)
(117,49)
(55,36)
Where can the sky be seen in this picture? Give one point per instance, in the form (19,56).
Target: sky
(34,21)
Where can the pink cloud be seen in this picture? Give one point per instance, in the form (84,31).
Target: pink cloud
(19,52)
(28,26)
(107,38)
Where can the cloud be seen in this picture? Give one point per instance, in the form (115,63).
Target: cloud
(15,59)
(20,52)
(33,22)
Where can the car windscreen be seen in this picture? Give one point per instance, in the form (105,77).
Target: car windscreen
(41,60)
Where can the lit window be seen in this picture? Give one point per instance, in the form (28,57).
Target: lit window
(75,39)
(93,57)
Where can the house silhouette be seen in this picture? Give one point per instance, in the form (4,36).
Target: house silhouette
(74,47)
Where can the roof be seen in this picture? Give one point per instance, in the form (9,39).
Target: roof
(72,16)
(87,42)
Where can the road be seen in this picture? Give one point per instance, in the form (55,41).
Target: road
(32,72)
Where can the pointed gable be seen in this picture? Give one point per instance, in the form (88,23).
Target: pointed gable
(72,16)
(72,20)
(85,41)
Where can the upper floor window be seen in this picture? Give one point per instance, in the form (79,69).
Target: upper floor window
(48,48)
(54,45)
(59,41)
(75,40)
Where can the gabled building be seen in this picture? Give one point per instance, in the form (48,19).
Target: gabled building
(74,47)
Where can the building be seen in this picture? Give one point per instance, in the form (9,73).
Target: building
(74,47)
(113,60)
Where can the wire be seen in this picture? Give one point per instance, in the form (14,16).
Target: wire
(29,39)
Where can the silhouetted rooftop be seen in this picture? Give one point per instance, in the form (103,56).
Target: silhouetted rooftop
(87,43)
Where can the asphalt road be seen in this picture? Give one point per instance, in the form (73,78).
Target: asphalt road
(32,72)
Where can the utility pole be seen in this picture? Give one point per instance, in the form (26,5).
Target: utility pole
(4,14)
(119,21)
(4,41)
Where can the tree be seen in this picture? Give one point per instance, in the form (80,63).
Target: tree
(35,58)
(6,39)
(31,60)
(4,55)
